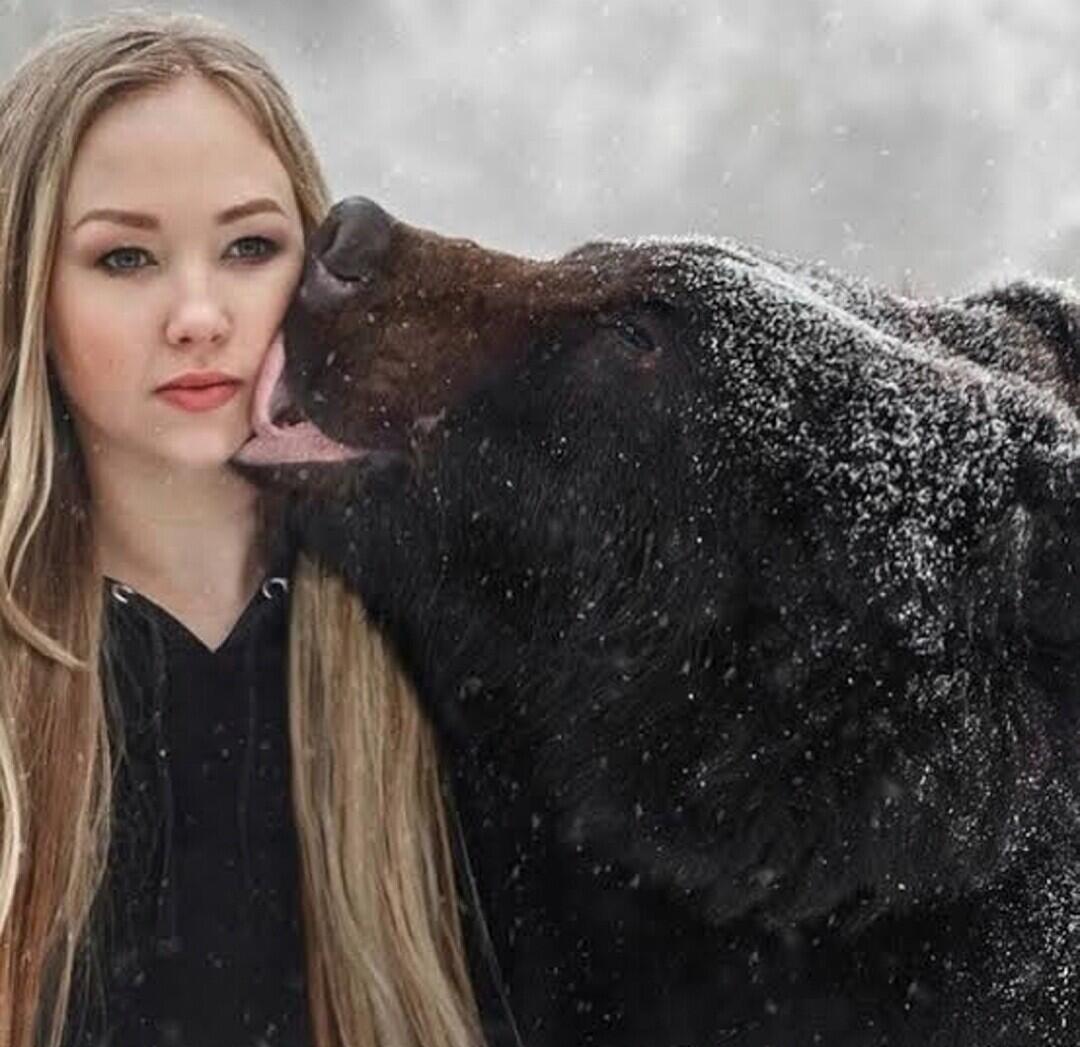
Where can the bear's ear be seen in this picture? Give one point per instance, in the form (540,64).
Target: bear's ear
(1051,308)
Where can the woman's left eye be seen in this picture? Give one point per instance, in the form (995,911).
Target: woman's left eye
(253,247)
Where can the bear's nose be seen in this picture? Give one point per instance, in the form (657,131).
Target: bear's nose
(353,238)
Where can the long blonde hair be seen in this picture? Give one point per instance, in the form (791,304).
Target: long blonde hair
(386,965)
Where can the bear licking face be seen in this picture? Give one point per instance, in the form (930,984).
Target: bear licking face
(743,597)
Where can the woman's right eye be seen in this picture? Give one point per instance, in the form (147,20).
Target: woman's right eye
(123,259)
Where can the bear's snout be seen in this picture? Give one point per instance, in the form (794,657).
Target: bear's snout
(346,252)
(353,239)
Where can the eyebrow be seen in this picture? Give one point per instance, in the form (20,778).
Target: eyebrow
(138,220)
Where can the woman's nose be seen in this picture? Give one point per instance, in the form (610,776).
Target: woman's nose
(196,315)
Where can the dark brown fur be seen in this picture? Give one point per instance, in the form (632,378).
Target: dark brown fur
(744,598)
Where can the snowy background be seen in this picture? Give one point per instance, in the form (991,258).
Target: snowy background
(931,146)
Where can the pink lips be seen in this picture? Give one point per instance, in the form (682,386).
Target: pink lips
(200,398)
(198,380)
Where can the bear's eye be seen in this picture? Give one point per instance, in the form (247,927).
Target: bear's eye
(631,330)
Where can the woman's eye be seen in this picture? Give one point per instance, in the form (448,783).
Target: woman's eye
(123,259)
(253,247)
(128,259)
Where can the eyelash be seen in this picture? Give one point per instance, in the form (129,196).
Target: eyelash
(269,249)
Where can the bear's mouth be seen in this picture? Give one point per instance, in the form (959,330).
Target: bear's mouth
(283,433)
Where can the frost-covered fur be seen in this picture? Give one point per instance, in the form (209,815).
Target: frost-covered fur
(746,606)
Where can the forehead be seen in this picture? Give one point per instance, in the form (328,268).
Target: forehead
(184,144)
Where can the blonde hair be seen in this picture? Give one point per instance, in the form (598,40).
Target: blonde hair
(386,964)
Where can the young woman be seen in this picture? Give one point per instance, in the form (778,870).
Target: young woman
(220,812)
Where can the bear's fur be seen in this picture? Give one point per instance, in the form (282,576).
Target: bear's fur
(744,599)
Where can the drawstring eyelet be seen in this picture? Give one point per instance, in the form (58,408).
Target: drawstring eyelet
(121,592)
(277,581)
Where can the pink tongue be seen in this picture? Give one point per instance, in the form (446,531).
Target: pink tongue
(272,369)
(271,444)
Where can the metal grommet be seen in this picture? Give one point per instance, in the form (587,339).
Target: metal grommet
(277,580)
(121,592)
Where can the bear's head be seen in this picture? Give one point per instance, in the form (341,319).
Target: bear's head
(546,425)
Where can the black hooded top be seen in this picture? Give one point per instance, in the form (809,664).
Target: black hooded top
(196,937)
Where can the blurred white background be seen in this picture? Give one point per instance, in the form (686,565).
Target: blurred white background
(928,145)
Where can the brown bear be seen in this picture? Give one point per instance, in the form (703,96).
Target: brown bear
(743,596)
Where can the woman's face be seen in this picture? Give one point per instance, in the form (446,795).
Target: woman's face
(180,247)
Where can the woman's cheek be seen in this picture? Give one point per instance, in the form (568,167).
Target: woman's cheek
(92,337)
(292,270)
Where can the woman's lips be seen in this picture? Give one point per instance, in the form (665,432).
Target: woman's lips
(205,398)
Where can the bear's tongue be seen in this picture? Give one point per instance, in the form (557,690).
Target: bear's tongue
(270,392)
(297,442)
